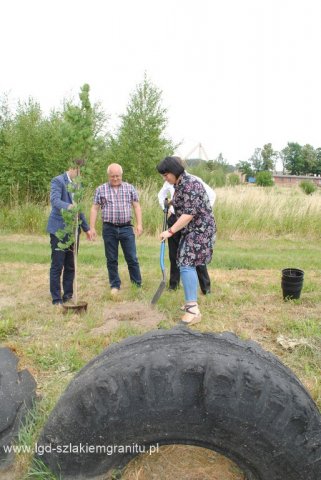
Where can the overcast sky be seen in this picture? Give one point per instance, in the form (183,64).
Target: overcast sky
(235,74)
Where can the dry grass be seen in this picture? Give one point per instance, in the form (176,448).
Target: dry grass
(279,199)
(55,346)
(267,211)
(240,211)
(182,462)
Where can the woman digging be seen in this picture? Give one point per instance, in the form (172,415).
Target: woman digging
(196,222)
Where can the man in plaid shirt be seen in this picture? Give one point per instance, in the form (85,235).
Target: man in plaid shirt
(116,199)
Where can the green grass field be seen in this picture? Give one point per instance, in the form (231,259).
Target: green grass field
(246,299)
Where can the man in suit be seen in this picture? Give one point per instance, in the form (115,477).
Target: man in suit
(62,261)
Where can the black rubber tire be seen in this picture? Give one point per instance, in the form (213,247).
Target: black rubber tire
(184,387)
(17,397)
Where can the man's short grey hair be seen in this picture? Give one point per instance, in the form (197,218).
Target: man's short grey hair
(114,165)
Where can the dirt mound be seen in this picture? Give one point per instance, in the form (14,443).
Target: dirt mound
(136,314)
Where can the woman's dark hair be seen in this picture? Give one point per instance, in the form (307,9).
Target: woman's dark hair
(172,165)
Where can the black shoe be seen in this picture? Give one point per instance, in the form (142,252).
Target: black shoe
(67,299)
(206,292)
(172,289)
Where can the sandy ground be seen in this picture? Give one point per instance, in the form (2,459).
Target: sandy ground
(135,314)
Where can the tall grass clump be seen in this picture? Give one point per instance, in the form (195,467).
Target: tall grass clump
(26,218)
(152,211)
(250,211)
(214,178)
(308,187)
(233,179)
(241,210)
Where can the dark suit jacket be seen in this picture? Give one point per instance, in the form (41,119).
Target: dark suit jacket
(60,199)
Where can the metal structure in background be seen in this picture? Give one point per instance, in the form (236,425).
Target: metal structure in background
(201,152)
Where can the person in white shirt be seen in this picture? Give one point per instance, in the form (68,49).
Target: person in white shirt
(166,191)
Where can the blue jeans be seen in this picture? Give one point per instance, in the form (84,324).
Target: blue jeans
(112,236)
(190,281)
(62,264)
(174,278)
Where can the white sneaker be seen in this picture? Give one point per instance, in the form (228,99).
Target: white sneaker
(114,292)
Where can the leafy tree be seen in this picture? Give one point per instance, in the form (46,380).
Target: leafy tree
(318,164)
(219,164)
(78,127)
(35,148)
(268,157)
(293,161)
(246,168)
(256,160)
(263,159)
(309,159)
(5,137)
(31,148)
(140,142)
(83,136)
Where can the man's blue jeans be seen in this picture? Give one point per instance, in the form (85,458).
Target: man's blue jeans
(112,236)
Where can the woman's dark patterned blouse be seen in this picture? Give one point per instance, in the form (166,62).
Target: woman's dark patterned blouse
(198,237)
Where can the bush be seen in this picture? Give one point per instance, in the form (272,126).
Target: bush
(219,178)
(264,179)
(233,180)
(213,178)
(308,187)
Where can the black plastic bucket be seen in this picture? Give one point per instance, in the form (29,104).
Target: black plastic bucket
(292,283)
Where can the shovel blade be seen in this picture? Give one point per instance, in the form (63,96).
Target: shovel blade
(158,293)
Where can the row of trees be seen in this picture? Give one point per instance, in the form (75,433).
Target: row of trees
(296,160)
(34,148)
(301,160)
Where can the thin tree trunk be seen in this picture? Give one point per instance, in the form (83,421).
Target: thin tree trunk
(76,249)
(76,262)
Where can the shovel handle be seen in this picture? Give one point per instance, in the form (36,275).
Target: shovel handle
(162,256)
(165,214)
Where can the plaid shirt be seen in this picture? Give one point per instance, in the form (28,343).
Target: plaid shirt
(116,203)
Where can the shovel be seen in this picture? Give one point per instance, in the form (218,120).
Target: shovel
(162,285)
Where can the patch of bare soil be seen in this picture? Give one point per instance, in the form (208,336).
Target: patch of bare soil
(182,462)
(13,472)
(23,283)
(135,314)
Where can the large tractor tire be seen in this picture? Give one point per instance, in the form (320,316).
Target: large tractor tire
(185,387)
(17,396)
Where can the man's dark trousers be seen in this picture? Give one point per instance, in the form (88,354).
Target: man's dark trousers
(201,270)
(61,260)
(113,235)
